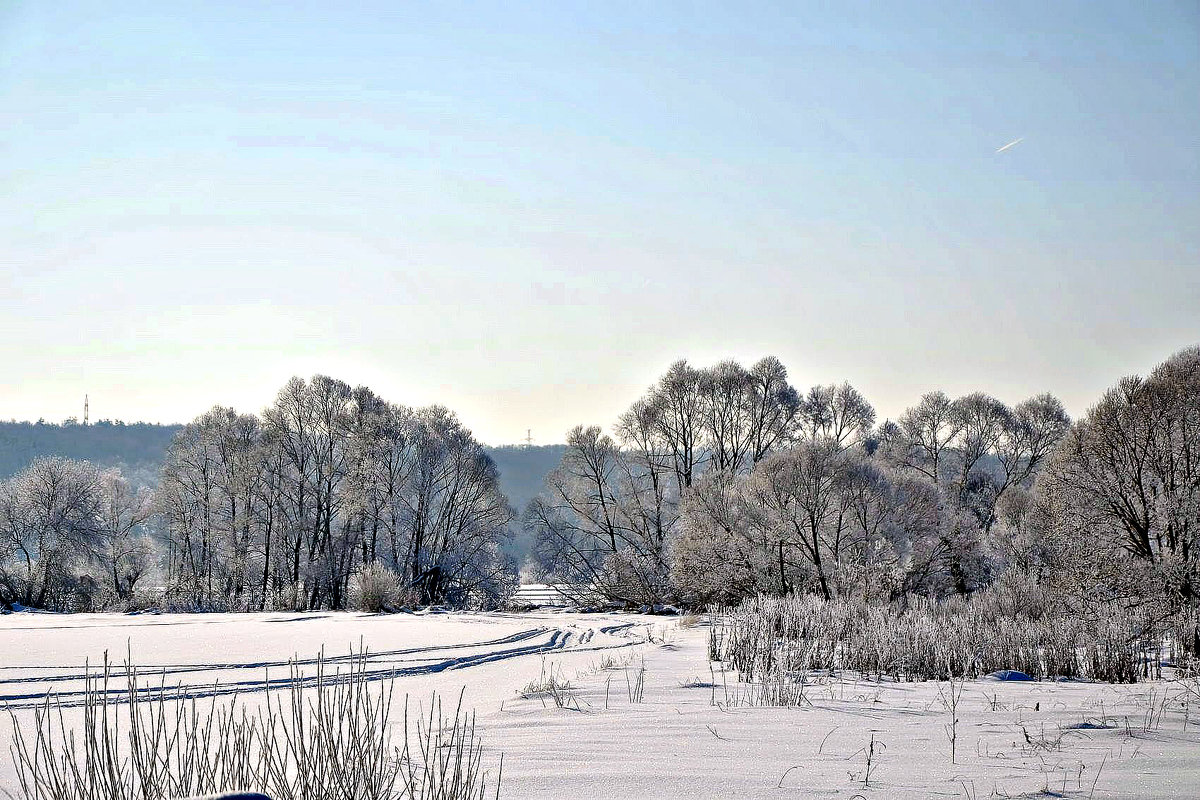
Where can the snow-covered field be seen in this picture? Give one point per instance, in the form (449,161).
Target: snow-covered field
(1014,739)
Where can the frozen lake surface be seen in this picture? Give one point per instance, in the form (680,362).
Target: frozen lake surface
(1014,739)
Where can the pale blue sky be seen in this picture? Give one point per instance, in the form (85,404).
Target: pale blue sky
(526,214)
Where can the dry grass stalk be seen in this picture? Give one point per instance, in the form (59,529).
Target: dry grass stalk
(323,737)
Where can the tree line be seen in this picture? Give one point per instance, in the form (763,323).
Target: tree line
(727,482)
(280,510)
(720,483)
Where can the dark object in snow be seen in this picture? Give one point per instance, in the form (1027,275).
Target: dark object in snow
(1090,725)
(17,608)
(1008,675)
(231,796)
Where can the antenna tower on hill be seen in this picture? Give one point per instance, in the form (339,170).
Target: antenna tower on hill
(529,437)
(85,409)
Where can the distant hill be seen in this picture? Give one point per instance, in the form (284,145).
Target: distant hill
(522,472)
(139,449)
(524,469)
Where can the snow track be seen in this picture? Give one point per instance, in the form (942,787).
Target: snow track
(427,652)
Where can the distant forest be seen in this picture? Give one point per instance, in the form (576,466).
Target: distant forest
(139,447)
(523,470)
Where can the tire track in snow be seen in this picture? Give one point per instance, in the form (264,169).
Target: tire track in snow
(180,669)
(559,639)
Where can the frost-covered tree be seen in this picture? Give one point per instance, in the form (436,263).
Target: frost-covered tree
(289,423)
(812,518)
(596,526)
(888,523)
(1121,494)
(727,407)
(775,407)
(838,414)
(676,406)
(922,437)
(457,517)
(608,517)
(285,510)
(719,557)
(644,466)
(794,500)
(122,544)
(48,520)
(973,451)
(208,496)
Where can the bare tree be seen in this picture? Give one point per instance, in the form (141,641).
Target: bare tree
(122,544)
(48,516)
(1032,431)
(836,413)
(190,500)
(457,516)
(287,510)
(645,464)
(596,526)
(727,415)
(1124,485)
(748,414)
(794,495)
(813,517)
(926,433)
(577,523)
(775,406)
(677,405)
(237,439)
(974,450)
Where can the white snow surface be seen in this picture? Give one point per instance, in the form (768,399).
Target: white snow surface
(1084,740)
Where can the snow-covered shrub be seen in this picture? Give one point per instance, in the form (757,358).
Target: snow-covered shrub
(185,600)
(375,588)
(927,639)
(140,600)
(634,577)
(287,596)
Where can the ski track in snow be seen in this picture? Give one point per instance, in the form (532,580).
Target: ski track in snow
(378,665)
(683,737)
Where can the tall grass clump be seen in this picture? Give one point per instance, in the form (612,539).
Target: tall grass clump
(375,588)
(327,736)
(921,639)
(779,688)
(551,684)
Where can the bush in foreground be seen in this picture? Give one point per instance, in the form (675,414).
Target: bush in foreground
(375,588)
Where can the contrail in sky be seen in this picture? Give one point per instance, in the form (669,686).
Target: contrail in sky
(1013,143)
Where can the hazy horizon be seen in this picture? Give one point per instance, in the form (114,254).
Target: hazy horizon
(99,413)
(527,214)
